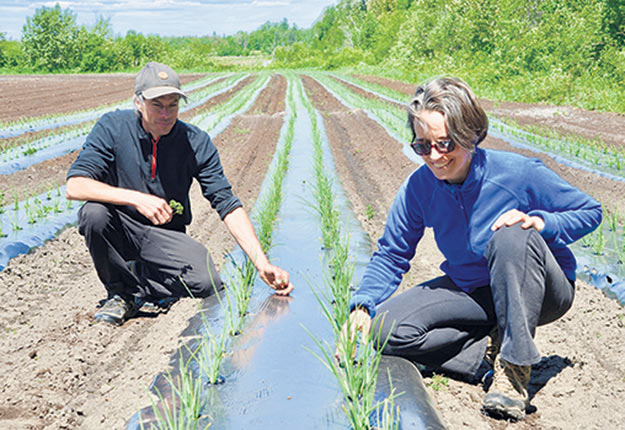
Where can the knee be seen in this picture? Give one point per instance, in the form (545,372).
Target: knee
(205,286)
(93,217)
(397,336)
(511,239)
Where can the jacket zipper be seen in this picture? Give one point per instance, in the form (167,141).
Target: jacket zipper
(154,142)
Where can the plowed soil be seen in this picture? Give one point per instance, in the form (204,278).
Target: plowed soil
(26,96)
(62,371)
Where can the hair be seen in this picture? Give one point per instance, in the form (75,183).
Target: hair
(138,98)
(466,121)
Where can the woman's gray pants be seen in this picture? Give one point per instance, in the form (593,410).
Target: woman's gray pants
(167,263)
(439,325)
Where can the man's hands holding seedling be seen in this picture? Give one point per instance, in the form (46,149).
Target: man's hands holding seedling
(176,206)
(276,278)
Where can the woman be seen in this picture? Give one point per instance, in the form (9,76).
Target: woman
(503,223)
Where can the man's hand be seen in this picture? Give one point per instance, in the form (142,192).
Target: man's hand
(514,216)
(154,208)
(359,321)
(276,278)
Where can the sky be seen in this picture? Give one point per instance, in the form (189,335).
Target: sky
(170,17)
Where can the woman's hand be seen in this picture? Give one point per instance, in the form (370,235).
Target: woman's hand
(514,216)
(359,321)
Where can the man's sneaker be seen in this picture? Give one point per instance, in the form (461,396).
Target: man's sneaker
(115,311)
(157,305)
(508,397)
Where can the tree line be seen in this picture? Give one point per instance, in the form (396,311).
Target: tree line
(563,51)
(53,42)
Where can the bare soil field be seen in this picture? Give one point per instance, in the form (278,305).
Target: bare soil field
(62,371)
(28,96)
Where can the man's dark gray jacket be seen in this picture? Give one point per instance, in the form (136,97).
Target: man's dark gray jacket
(119,152)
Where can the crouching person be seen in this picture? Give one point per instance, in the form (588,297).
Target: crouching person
(503,222)
(132,165)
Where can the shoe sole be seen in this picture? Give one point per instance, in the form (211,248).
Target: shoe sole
(108,319)
(500,406)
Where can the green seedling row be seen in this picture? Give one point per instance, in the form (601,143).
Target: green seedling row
(181,408)
(391,116)
(233,104)
(356,378)
(26,145)
(212,346)
(608,240)
(592,153)
(33,209)
(209,90)
(380,89)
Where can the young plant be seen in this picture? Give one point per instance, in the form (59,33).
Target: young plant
(439,382)
(211,351)
(244,275)
(183,409)
(176,206)
(14,219)
(355,364)
(598,239)
(16,201)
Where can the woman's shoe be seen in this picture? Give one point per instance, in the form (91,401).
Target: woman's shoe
(508,396)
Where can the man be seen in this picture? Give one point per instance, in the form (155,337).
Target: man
(132,165)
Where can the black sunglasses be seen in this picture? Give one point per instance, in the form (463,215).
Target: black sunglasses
(424,146)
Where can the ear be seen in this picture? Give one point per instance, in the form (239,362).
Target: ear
(138,103)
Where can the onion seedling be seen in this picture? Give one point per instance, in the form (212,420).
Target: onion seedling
(176,206)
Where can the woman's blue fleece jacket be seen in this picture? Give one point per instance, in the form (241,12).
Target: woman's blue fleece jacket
(462,215)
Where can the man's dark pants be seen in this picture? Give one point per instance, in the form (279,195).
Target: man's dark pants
(441,326)
(167,263)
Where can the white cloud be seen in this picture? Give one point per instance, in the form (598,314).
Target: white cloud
(262,3)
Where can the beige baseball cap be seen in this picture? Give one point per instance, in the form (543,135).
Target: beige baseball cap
(156,79)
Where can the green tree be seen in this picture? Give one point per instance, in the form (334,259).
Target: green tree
(614,21)
(13,55)
(135,49)
(2,49)
(327,33)
(50,39)
(99,53)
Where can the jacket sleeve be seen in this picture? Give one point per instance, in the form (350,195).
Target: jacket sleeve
(404,228)
(97,156)
(213,181)
(569,213)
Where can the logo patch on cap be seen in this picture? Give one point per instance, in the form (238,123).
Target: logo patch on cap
(162,75)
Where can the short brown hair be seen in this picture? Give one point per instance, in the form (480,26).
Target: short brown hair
(466,121)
